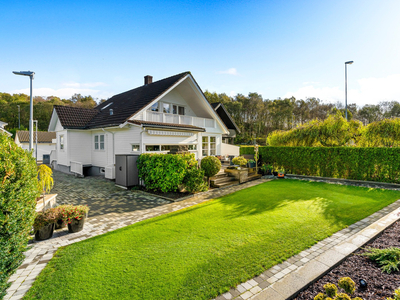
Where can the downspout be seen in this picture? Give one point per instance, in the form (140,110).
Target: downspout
(113,144)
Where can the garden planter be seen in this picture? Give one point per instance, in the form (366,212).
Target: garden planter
(61,224)
(45,232)
(275,173)
(252,164)
(76,225)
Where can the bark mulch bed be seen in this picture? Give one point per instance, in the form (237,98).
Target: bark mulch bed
(380,285)
(170,195)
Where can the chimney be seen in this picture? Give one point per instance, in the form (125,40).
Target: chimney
(148,79)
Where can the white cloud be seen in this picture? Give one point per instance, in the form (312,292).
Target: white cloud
(370,91)
(65,93)
(230,71)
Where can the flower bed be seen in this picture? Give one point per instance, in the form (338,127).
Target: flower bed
(380,285)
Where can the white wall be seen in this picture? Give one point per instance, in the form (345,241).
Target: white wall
(175,97)
(41,147)
(124,139)
(62,155)
(80,146)
(227,149)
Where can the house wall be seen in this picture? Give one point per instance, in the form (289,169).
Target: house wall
(80,146)
(124,139)
(62,155)
(42,148)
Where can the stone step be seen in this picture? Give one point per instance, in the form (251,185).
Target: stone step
(220,181)
(232,182)
(253,177)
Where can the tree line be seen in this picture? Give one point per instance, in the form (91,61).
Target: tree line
(257,117)
(42,109)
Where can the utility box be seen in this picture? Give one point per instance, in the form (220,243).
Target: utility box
(46,159)
(126,172)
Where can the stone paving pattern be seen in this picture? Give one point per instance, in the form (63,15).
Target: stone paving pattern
(123,208)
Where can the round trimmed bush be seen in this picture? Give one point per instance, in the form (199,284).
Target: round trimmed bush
(211,166)
(18,193)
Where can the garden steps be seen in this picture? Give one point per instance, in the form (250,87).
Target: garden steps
(222,180)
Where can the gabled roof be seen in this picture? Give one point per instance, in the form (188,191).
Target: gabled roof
(43,136)
(123,106)
(225,116)
(74,117)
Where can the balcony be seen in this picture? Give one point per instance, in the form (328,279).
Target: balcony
(153,116)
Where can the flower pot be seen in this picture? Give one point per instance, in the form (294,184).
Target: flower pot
(275,173)
(60,224)
(45,232)
(76,225)
(252,164)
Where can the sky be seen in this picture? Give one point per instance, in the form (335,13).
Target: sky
(275,48)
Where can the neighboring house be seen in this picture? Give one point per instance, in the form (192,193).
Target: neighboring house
(152,118)
(2,125)
(228,121)
(46,142)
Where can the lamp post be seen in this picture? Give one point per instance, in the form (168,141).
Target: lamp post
(345,85)
(30,74)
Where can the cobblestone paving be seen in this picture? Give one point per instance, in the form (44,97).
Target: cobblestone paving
(118,213)
(101,195)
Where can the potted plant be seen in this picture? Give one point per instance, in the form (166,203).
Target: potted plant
(75,216)
(266,169)
(281,173)
(240,160)
(43,225)
(251,163)
(45,181)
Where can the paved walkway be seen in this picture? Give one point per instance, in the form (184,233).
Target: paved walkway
(119,212)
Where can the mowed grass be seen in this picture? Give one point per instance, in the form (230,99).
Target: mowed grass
(202,251)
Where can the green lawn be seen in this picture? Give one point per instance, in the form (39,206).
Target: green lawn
(202,251)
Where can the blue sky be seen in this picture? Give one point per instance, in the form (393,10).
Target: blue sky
(275,48)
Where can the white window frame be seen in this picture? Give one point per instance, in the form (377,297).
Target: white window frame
(62,142)
(165,151)
(209,143)
(171,106)
(98,143)
(138,147)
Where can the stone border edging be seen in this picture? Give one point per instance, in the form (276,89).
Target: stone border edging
(376,184)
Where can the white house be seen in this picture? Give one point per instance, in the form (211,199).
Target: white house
(46,142)
(2,125)
(149,119)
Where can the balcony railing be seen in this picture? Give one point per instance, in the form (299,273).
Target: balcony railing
(153,116)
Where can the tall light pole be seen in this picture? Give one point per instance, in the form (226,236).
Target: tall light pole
(345,86)
(30,74)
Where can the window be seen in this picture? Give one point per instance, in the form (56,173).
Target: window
(153,148)
(61,142)
(135,148)
(192,147)
(166,108)
(99,142)
(205,145)
(181,110)
(154,107)
(209,144)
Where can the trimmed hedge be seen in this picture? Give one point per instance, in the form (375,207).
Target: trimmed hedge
(372,164)
(18,192)
(165,172)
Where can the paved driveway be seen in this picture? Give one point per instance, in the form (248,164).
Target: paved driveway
(101,195)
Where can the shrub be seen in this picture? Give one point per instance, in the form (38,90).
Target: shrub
(18,193)
(330,289)
(342,296)
(320,296)
(396,295)
(194,180)
(211,166)
(388,259)
(347,284)
(164,172)
(239,160)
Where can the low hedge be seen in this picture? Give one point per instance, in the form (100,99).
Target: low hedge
(165,172)
(372,164)
(18,192)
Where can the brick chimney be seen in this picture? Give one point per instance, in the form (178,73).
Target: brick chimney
(148,79)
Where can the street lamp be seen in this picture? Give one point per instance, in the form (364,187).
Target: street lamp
(345,87)
(30,74)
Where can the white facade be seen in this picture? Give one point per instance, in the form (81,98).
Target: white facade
(98,147)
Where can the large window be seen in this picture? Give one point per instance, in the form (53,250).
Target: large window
(209,144)
(99,142)
(61,142)
(154,107)
(166,108)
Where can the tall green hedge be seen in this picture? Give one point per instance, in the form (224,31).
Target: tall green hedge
(373,164)
(18,192)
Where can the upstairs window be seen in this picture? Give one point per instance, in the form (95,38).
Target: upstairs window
(154,107)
